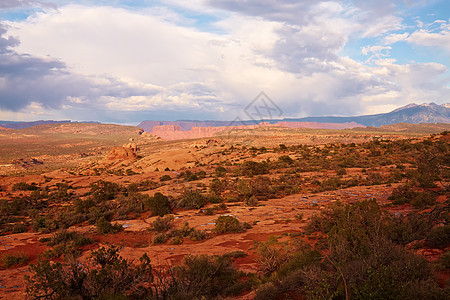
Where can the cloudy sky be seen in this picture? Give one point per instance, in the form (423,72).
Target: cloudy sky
(126,61)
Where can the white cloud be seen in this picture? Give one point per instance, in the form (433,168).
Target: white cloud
(376,50)
(154,60)
(382,26)
(432,39)
(395,37)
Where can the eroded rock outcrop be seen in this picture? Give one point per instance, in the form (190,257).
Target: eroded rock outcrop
(122,153)
(132,146)
(174,132)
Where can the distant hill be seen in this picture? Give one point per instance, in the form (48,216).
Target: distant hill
(411,113)
(424,128)
(22,125)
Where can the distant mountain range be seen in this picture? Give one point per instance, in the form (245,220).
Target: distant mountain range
(411,113)
(22,125)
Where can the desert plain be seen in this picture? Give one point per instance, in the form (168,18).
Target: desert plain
(275,183)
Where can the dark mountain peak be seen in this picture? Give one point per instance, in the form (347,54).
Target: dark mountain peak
(405,107)
(431,104)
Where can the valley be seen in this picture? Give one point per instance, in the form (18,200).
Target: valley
(70,189)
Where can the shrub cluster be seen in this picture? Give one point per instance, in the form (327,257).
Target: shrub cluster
(229,224)
(109,276)
(362,261)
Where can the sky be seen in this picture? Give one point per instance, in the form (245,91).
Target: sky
(124,61)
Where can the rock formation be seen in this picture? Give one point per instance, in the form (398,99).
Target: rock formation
(122,153)
(174,132)
(317,125)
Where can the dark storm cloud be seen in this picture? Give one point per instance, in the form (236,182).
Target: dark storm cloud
(25,79)
(304,45)
(8,4)
(299,11)
(291,11)
(5,43)
(301,51)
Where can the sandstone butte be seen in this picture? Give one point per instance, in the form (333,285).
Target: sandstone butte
(176,132)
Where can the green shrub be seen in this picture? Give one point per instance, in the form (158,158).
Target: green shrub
(405,194)
(177,240)
(83,206)
(214,199)
(235,254)
(220,171)
(105,276)
(160,238)
(361,252)
(423,199)
(402,194)
(331,184)
(181,232)
(252,201)
(132,188)
(405,229)
(165,178)
(218,186)
(19,228)
(268,291)
(23,186)
(9,260)
(285,160)
(192,199)
(189,176)
(163,224)
(227,224)
(44,224)
(439,237)
(299,260)
(198,235)
(251,168)
(102,191)
(244,188)
(69,237)
(292,276)
(271,255)
(103,226)
(61,194)
(159,205)
(208,277)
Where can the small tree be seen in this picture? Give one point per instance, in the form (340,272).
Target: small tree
(251,168)
(226,224)
(192,199)
(106,276)
(163,224)
(220,171)
(159,205)
(103,226)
